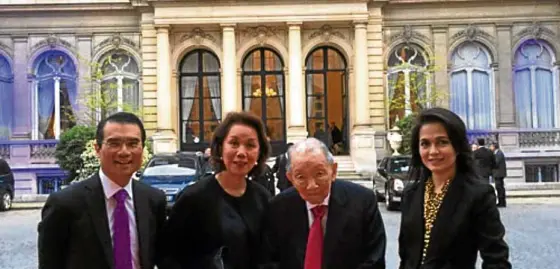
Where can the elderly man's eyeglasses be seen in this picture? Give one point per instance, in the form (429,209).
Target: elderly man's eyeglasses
(117,144)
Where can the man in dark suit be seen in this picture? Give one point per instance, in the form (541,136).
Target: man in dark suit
(322,223)
(485,161)
(108,221)
(499,173)
(280,169)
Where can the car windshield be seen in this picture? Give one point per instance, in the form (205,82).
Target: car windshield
(170,168)
(399,165)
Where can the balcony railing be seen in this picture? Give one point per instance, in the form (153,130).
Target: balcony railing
(36,151)
(523,139)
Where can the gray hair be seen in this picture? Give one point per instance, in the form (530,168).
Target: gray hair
(309,145)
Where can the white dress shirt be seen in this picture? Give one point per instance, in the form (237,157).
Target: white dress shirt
(310,213)
(110,188)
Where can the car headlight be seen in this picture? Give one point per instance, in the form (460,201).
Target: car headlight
(398,185)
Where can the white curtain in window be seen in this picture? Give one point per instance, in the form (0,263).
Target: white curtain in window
(482,98)
(247,88)
(524,106)
(310,86)
(46,105)
(6,95)
(131,93)
(280,86)
(460,95)
(188,85)
(545,98)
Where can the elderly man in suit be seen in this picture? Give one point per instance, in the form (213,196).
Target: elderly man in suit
(322,223)
(499,173)
(108,221)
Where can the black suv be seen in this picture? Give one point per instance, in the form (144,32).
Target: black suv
(6,186)
(391,178)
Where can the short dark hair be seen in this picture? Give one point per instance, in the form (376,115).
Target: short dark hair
(481,141)
(122,118)
(457,133)
(496,145)
(221,132)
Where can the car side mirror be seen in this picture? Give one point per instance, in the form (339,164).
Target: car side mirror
(138,173)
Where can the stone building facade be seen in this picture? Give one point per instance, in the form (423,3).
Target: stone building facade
(300,65)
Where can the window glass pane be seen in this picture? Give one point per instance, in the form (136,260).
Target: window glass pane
(272,61)
(189,87)
(335,60)
(316,60)
(315,84)
(190,64)
(5,69)
(318,129)
(253,61)
(189,109)
(316,106)
(252,86)
(275,129)
(274,85)
(209,127)
(190,131)
(210,62)
(131,95)
(253,105)
(6,94)
(131,66)
(397,93)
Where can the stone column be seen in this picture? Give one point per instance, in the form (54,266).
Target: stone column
(165,138)
(362,146)
(440,70)
(296,123)
(361,75)
(85,82)
(504,87)
(22,117)
(230,94)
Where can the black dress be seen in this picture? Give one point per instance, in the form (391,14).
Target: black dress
(206,218)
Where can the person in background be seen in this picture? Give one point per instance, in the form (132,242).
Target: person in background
(109,220)
(280,169)
(499,173)
(217,220)
(322,222)
(485,160)
(448,215)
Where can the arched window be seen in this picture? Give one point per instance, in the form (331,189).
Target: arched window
(472,90)
(55,94)
(6,88)
(408,81)
(200,98)
(327,111)
(263,92)
(536,85)
(119,85)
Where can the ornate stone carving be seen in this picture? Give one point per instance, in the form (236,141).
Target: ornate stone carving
(6,49)
(261,33)
(407,35)
(116,41)
(535,31)
(326,32)
(472,33)
(52,41)
(198,35)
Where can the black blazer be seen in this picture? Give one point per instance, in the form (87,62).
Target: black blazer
(280,169)
(204,219)
(355,235)
(468,221)
(74,230)
(485,161)
(500,170)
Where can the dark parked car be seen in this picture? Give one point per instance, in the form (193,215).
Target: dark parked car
(6,186)
(172,173)
(391,178)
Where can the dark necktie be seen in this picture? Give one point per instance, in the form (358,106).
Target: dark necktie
(121,233)
(314,250)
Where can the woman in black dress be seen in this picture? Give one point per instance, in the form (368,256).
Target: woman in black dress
(448,214)
(220,215)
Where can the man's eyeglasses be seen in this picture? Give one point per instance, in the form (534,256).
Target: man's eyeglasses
(117,144)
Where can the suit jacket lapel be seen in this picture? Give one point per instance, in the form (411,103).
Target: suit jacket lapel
(142,213)
(336,221)
(98,213)
(442,227)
